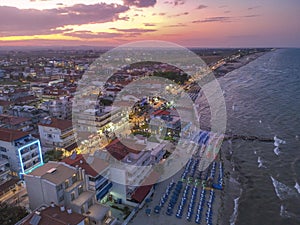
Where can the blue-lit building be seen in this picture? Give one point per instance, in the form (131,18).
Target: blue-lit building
(97,174)
(22,151)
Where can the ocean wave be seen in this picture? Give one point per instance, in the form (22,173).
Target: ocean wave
(297,186)
(286,214)
(234,181)
(277,151)
(234,215)
(278,141)
(260,162)
(283,191)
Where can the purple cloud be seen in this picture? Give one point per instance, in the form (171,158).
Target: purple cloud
(254,7)
(222,19)
(251,16)
(139,3)
(33,22)
(202,7)
(177,25)
(180,14)
(175,2)
(89,35)
(133,30)
(149,24)
(179,2)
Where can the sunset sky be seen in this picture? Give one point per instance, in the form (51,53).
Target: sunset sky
(191,23)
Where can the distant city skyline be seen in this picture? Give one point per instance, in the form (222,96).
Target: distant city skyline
(191,23)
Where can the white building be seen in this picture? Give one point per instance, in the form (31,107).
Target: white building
(128,181)
(53,214)
(57,133)
(62,184)
(4,170)
(22,151)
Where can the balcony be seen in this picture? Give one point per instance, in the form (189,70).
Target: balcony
(74,185)
(25,141)
(103,191)
(82,199)
(4,171)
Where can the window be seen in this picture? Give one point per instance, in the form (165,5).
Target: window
(74,178)
(59,187)
(90,203)
(2,149)
(66,183)
(61,198)
(82,209)
(80,189)
(72,196)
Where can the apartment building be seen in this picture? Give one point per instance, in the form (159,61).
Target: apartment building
(22,151)
(53,214)
(59,108)
(129,179)
(57,133)
(62,184)
(15,123)
(97,174)
(4,170)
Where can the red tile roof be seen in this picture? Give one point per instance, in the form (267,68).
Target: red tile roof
(12,120)
(26,99)
(161,112)
(53,216)
(9,135)
(90,169)
(141,192)
(118,150)
(59,124)
(5,103)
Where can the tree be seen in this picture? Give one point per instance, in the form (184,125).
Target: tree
(10,214)
(53,155)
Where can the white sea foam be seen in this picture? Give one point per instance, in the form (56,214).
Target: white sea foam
(278,141)
(234,215)
(277,151)
(260,162)
(297,186)
(283,191)
(284,212)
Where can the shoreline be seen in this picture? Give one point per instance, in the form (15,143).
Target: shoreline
(232,188)
(238,63)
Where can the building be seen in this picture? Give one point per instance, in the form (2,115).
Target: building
(62,184)
(22,151)
(127,180)
(58,134)
(97,174)
(4,170)
(4,106)
(158,152)
(15,123)
(53,214)
(27,111)
(59,108)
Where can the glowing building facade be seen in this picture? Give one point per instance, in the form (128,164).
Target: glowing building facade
(22,151)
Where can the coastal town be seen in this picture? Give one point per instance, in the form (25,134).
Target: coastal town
(109,163)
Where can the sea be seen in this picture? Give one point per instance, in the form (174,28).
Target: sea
(263,99)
